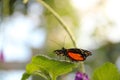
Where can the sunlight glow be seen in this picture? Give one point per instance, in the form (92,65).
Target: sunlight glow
(93,16)
(84,4)
(11,75)
(20,33)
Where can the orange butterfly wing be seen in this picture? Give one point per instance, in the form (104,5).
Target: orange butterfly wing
(76,56)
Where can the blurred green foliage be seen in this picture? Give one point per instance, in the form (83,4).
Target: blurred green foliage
(107,71)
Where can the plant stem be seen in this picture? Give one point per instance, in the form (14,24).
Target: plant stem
(65,26)
(81,67)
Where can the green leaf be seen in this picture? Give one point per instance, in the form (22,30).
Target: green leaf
(48,68)
(53,67)
(25,76)
(108,71)
(35,69)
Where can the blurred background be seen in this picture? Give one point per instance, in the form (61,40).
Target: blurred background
(29,29)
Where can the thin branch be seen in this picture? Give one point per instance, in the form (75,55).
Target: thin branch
(64,25)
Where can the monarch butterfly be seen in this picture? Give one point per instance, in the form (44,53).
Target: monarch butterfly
(74,54)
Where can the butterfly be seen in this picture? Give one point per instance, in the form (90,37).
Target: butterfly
(74,54)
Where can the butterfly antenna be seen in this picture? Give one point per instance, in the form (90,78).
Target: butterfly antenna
(56,43)
(64,41)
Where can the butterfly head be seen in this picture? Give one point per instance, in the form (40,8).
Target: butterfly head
(87,53)
(60,52)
